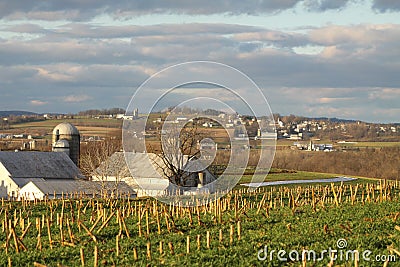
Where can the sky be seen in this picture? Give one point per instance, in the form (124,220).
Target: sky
(317,58)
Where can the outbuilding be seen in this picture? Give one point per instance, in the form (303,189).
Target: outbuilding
(75,188)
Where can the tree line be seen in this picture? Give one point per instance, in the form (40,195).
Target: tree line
(370,162)
(96,112)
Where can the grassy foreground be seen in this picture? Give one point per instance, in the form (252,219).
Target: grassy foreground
(233,231)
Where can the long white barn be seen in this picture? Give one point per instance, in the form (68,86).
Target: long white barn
(19,168)
(70,188)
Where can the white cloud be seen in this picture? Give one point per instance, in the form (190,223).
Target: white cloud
(364,34)
(52,76)
(38,102)
(76,98)
(384,94)
(329,100)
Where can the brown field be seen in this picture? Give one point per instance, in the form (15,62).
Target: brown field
(87,127)
(371,144)
(99,131)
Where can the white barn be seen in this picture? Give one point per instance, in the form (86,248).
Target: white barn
(55,189)
(17,169)
(115,169)
(141,172)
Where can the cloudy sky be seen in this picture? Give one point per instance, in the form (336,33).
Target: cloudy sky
(333,58)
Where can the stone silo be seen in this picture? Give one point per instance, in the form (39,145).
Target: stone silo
(67,132)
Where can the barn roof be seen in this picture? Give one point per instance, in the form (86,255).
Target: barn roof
(115,165)
(145,165)
(139,164)
(47,165)
(146,174)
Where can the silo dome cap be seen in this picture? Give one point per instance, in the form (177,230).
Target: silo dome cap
(62,144)
(65,128)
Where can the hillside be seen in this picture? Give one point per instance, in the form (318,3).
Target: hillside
(7,113)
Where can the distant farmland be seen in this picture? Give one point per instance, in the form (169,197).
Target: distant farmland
(86,126)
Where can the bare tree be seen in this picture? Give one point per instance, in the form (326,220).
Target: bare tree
(178,147)
(95,162)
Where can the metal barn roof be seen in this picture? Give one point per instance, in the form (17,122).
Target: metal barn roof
(47,165)
(139,164)
(142,165)
(115,165)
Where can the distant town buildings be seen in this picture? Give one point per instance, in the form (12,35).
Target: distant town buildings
(311,146)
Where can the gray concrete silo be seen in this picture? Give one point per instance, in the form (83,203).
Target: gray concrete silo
(61,146)
(67,132)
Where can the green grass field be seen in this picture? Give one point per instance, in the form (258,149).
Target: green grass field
(279,175)
(233,231)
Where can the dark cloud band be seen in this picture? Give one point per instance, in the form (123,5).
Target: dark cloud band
(86,9)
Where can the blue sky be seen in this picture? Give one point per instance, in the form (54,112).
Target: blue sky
(337,58)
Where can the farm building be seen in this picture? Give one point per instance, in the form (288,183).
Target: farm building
(142,176)
(115,169)
(56,189)
(19,168)
(53,174)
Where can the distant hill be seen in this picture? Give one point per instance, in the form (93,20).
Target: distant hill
(292,117)
(334,120)
(7,113)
